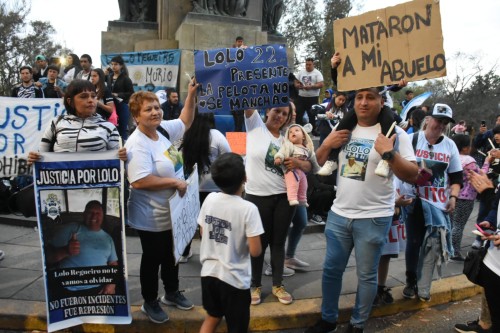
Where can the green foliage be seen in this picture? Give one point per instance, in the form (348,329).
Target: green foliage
(20,42)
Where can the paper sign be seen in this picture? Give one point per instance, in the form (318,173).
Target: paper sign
(384,46)
(237,142)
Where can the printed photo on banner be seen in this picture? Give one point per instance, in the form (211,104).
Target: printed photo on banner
(80,220)
(183,213)
(384,46)
(22,122)
(237,79)
(150,70)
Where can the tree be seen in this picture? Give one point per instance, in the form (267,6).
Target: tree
(20,42)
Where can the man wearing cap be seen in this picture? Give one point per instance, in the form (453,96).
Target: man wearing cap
(362,212)
(26,89)
(41,63)
(428,223)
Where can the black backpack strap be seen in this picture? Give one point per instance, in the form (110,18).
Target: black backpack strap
(163,132)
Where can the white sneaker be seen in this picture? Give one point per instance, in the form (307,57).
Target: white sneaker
(328,168)
(296,264)
(184,259)
(476,244)
(286,271)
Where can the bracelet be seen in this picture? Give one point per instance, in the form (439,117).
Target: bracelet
(454,196)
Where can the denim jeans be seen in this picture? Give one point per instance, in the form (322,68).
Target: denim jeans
(368,236)
(429,256)
(299,223)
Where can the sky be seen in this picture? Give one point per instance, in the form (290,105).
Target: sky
(467,26)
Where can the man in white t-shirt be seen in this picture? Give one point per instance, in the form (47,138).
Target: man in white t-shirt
(362,212)
(309,83)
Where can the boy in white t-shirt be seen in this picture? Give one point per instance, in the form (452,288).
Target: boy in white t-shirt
(230,229)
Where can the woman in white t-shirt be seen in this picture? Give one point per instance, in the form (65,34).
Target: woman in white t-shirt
(266,188)
(155,172)
(201,145)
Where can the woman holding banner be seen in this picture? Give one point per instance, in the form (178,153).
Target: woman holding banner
(81,129)
(266,189)
(155,172)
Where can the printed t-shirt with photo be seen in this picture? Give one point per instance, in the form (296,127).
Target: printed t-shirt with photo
(360,192)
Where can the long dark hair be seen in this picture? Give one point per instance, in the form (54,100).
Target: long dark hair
(101,85)
(76,64)
(196,144)
(119,59)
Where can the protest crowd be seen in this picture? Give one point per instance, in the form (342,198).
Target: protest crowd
(370,172)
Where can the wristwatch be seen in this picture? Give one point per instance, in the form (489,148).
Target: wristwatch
(388,155)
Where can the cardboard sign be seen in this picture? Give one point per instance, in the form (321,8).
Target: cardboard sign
(240,79)
(384,46)
(237,142)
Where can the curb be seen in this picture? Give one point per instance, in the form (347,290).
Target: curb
(268,316)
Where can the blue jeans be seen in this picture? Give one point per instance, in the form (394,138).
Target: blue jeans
(368,236)
(299,223)
(123,118)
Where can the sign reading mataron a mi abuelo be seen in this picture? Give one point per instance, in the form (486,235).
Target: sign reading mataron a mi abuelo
(384,46)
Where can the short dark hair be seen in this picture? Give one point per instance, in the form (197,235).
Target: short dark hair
(496,129)
(462,141)
(92,203)
(407,92)
(170,91)
(239,38)
(53,67)
(26,67)
(74,88)
(86,56)
(309,59)
(228,172)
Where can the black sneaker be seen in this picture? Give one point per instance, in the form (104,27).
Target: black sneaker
(471,326)
(322,326)
(384,296)
(457,259)
(410,291)
(353,329)
(177,299)
(154,312)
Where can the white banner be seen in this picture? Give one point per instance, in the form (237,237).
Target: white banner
(184,213)
(22,123)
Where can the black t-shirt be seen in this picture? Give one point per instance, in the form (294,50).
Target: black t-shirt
(50,92)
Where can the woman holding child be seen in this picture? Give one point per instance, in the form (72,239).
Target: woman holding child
(155,172)
(266,189)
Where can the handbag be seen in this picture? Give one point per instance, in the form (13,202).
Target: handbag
(472,263)
(23,201)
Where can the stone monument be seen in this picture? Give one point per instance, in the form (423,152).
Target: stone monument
(191,25)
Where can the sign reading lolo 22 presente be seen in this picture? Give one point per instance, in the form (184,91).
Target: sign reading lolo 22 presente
(384,46)
(239,79)
(80,218)
(150,70)
(22,123)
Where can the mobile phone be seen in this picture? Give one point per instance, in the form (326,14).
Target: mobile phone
(483,233)
(483,122)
